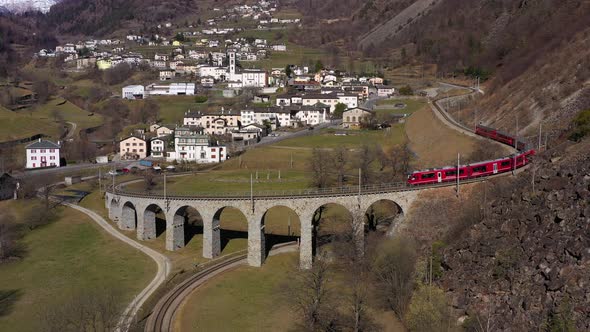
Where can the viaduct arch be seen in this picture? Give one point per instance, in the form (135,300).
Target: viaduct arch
(133,211)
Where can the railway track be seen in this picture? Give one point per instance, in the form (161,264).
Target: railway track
(162,318)
(164,313)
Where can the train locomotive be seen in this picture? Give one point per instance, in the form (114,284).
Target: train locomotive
(478,169)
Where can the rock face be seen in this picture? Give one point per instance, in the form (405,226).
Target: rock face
(531,252)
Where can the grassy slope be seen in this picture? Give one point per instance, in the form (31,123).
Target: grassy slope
(19,125)
(66,256)
(412,105)
(243,300)
(69,111)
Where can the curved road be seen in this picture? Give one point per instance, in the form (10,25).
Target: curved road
(162,262)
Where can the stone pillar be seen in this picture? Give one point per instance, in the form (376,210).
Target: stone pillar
(146,225)
(256,242)
(174,232)
(211,236)
(306,241)
(128,218)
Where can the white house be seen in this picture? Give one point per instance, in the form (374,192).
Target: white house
(312,115)
(133,148)
(279,48)
(328,99)
(349,99)
(166,74)
(385,91)
(159,146)
(191,146)
(354,116)
(275,116)
(133,92)
(43,154)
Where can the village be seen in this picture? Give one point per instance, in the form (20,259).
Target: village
(225,61)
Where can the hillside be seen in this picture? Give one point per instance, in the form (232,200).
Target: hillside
(525,265)
(16,126)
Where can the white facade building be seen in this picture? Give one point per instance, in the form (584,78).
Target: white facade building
(173,89)
(43,154)
(191,146)
(133,92)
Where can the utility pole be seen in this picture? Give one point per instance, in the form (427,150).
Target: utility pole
(99,182)
(251,192)
(165,194)
(457,175)
(540,126)
(360,184)
(515,145)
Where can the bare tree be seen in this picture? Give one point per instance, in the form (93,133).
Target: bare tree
(310,295)
(319,168)
(9,234)
(365,158)
(393,272)
(97,310)
(149,180)
(339,158)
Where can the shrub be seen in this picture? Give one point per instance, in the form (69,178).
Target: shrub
(406,90)
(428,310)
(581,125)
(201,99)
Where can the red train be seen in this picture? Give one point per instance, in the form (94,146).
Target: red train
(479,169)
(499,136)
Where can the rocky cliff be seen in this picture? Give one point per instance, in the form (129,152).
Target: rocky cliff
(527,264)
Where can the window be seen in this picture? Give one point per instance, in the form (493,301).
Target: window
(428,176)
(33,158)
(140,150)
(479,169)
(52,150)
(33,151)
(134,144)
(505,163)
(42,151)
(127,144)
(213,156)
(51,158)
(213,150)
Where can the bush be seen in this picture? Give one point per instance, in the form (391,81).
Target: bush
(201,99)
(428,310)
(406,90)
(581,126)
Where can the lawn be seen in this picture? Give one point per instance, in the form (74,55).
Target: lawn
(19,125)
(172,108)
(229,181)
(412,105)
(435,144)
(69,112)
(246,299)
(328,139)
(70,255)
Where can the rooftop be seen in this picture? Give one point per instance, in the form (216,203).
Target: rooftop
(43,144)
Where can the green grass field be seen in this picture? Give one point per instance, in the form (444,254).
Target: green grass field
(242,300)
(20,125)
(353,138)
(62,258)
(230,181)
(412,105)
(172,109)
(69,112)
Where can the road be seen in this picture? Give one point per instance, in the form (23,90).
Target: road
(71,131)
(162,262)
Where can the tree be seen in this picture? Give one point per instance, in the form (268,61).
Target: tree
(149,111)
(149,180)
(340,108)
(318,66)
(90,310)
(406,90)
(311,297)
(9,235)
(393,272)
(428,310)
(365,158)
(339,160)
(43,89)
(179,37)
(319,168)
(288,71)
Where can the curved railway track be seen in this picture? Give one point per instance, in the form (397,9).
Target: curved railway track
(164,314)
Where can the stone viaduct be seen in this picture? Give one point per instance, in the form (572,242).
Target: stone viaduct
(138,211)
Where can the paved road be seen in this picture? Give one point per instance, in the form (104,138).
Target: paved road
(162,261)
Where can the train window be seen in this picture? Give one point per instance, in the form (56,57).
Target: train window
(428,176)
(505,163)
(479,169)
(450,173)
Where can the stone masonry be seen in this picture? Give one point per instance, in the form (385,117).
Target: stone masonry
(139,213)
